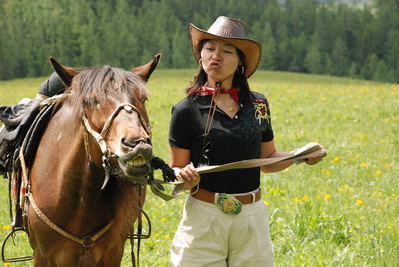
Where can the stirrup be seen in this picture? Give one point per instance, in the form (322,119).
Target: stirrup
(16,259)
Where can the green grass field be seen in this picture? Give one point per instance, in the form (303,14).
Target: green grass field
(341,212)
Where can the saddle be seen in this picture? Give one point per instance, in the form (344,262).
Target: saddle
(25,145)
(16,141)
(17,120)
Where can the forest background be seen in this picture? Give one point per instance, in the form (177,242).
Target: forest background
(308,36)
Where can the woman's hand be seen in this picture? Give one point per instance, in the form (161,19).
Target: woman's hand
(315,160)
(190,176)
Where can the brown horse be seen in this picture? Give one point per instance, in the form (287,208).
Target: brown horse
(83,182)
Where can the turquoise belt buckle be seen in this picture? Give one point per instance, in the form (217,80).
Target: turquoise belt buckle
(228,204)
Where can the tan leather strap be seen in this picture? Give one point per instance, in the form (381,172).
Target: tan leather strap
(85,241)
(308,151)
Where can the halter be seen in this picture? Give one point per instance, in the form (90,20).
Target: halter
(100,137)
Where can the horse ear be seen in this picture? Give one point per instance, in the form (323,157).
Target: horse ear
(145,71)
(66,74)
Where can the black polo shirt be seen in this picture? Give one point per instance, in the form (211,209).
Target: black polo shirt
(234,139)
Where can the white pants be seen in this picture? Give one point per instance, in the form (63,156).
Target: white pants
(208,237)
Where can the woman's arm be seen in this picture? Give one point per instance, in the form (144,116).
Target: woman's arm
(180,162)
(268,150)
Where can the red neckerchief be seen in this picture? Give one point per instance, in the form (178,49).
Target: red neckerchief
(204,90)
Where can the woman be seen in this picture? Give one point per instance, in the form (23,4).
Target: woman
(222,121)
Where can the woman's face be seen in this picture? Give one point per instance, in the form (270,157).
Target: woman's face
(219,60)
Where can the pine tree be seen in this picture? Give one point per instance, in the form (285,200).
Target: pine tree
(339,57)
(381,72)
(369,67)
(313,59)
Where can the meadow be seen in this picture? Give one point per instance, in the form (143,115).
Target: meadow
(341,212)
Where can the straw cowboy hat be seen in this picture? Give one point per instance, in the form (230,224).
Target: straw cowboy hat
(232,31)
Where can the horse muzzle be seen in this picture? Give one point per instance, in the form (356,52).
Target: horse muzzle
(136,163)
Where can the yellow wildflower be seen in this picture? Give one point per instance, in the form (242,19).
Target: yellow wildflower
(327,196)
(6,227)
(378,172)
(364,164)
(336,159)
(163,219)
(359,202)
(304,198)
(388,165)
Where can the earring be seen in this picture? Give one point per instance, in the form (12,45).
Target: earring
(240,69)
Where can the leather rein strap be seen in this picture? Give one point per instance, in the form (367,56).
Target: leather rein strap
(308,151)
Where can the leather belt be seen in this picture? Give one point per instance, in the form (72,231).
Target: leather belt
(208,196)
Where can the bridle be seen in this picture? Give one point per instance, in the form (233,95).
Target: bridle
(100,137)
(88,241)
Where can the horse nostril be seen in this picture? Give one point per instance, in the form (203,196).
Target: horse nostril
(134,143)
(148,141)
(127,143)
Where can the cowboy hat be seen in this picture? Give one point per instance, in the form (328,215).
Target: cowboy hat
(232,31)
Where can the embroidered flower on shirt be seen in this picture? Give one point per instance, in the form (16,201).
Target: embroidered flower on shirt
(261,111)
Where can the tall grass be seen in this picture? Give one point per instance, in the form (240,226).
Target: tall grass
(341,212)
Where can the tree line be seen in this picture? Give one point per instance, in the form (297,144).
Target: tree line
(301,36)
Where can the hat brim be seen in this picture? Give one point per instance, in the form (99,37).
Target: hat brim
(251,48)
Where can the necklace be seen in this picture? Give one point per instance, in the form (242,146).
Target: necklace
(228,108)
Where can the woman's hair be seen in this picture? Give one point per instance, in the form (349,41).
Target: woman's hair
(239,79)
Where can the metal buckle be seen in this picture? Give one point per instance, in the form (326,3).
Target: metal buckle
(228,204)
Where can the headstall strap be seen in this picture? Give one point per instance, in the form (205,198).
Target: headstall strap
(100,137)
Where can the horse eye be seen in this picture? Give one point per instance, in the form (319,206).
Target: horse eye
(91,102)
(143,99)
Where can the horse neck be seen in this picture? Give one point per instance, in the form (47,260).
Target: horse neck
(62,146)
(88,174)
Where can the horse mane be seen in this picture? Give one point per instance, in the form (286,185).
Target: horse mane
(100,84)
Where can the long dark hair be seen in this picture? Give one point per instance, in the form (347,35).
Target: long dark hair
(239,79)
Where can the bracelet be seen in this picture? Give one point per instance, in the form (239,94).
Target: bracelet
(192,193)
(296,161)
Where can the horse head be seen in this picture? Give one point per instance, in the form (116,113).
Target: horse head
(111,104)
